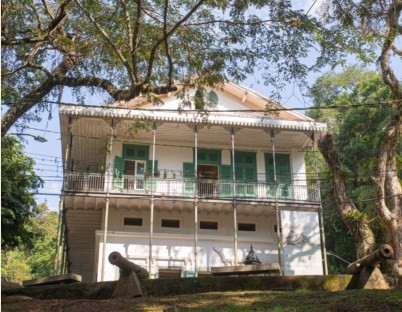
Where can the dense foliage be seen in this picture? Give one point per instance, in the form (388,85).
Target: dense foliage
(125,49)
(356,132)
(24,263)
(19,182)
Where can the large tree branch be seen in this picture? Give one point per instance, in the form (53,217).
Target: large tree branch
(104,84)
(388,75)
(128,25)
(352,217)
(136,40)
(109,41)
(386,183)
(170,72)
(25,103)
(165,37)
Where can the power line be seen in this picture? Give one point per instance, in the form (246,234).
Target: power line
(349,105)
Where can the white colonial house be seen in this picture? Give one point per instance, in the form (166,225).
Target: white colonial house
(179,192)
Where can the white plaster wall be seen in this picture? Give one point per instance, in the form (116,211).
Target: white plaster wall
(261,167)
(264,224)
(174,248)
(177,251)
(298,168)
(172,158)
(301,243)
(226,102)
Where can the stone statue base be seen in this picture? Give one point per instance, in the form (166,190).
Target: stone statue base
(370,278)
(128,286)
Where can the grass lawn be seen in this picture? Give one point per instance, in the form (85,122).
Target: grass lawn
(349,300)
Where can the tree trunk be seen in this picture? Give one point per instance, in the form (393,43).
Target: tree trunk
(389,191)
(354,219)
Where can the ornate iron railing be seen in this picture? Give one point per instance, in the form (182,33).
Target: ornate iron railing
(189,187)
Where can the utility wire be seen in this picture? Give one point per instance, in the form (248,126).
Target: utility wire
(349,105)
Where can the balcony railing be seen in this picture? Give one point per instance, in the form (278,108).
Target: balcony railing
(187,187)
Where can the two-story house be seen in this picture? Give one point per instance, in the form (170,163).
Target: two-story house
(179,191)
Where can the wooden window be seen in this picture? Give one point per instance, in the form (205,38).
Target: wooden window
(282,166)
(133,221)
(249,227)
(170,223)
(166,274)
(209,156)
(208,225)
(134,151)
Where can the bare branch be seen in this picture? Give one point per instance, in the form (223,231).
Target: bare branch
(48,9)
(396,50)
(165,37)
(229,22)
(136,40)
(128,25)
(27,65)
(155,18)
(37,16)
(108,40)
(170,72)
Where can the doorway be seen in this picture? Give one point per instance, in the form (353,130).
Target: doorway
(134,174)
(208,176)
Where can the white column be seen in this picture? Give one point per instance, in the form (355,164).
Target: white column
(196,200)
(108,187)
(105,239)
(232,136)
(59,239)
(278,213)
(69,146)
(151,218)
(320,212)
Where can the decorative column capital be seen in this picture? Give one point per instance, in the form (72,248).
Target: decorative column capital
(195,127)
(272,132)
(232,130)
(112,122)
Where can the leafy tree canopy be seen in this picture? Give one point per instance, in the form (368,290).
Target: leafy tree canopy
(356,132)
(27,262)
(18,183)
(128,48)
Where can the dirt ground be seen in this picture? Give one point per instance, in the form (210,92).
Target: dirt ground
(354,301)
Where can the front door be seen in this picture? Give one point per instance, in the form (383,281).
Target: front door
(207,177)
(134,174)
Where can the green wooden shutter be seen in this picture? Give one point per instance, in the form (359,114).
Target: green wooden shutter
(283,175)
(188,178)
(283,168)
(118,172)
(246,173)
(225,177)
(149,168)
(149,174)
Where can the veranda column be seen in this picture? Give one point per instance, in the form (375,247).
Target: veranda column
(67,169)
(151,217)
(108,187)
(59,242)
(320,212)
(196,130)
(234,204)
(278,213)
